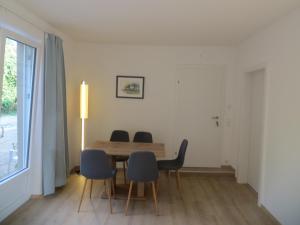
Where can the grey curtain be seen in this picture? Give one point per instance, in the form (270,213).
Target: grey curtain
(55,140)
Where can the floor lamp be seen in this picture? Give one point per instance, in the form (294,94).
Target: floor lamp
(84,97)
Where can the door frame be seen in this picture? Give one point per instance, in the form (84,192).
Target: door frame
(4,33)
(243,153)
(23,183)
(2,51)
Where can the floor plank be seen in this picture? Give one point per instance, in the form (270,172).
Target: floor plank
(204,200)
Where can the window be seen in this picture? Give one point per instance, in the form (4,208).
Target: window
(16,89)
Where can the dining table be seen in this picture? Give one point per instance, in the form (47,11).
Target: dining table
(115,149)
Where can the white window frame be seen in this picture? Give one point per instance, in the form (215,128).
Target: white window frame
(4,33)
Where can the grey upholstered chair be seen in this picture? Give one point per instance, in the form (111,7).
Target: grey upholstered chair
(143,137)
(142,167)
(175,164)
(96,165)
(120,136)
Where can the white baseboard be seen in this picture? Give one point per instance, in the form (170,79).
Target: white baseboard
(209,170)
(275,220)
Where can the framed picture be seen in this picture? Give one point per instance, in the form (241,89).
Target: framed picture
(130,87)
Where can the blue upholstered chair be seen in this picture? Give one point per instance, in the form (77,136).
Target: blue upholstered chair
(143,137)
(142,167)
(96,165)
(120,136)
(175,164)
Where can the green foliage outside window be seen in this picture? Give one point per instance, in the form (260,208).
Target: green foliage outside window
(9,91)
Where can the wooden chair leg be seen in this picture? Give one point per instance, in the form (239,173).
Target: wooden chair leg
(128,199)
(169,174)
(154,197)
(124,171)
(105,190)
(178,180)
(82,194)
(157,186)
(91,188)
(113,187)
(109,196)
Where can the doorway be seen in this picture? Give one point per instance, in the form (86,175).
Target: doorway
(199,113)
(255,86)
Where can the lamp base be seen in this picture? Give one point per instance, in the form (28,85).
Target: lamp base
(75,169)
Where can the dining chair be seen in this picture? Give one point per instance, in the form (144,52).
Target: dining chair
(175,164)
(96,165)
(120,136)
(143,137)
(142,167)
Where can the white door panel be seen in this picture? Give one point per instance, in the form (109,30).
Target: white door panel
(200,99)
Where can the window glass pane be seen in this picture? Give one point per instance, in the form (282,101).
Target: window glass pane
(16,87)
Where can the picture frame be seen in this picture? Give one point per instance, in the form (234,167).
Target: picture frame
(130,87)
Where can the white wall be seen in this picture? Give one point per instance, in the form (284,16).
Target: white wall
(278,50)
(99,64)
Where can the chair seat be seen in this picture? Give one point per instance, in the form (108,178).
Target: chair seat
(168,165)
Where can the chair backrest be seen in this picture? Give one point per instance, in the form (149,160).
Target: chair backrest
(182,151)
(95,164)
(143,137)
(120,136)
(142,167)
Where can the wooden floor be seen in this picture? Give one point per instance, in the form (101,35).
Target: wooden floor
(205,199)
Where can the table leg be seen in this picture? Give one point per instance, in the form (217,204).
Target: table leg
(121,190)
(141,189)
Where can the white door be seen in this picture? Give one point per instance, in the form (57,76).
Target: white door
(17,68)
(200,102)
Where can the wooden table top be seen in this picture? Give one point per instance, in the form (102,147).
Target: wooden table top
(126,148)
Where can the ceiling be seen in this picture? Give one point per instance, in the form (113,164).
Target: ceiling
(160,22)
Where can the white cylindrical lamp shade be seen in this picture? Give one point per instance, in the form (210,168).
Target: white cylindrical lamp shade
(84,97)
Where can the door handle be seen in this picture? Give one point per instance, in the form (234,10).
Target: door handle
(215,117)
